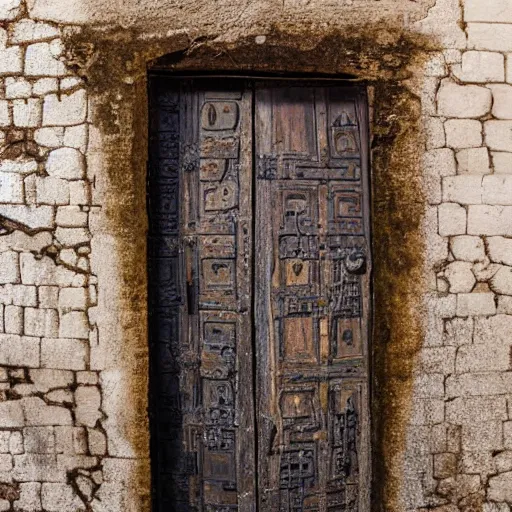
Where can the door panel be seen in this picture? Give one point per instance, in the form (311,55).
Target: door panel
(311,299)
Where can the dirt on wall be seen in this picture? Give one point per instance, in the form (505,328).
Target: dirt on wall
(115,63)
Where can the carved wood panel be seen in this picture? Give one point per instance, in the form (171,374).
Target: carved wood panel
(312,299)
(304,268)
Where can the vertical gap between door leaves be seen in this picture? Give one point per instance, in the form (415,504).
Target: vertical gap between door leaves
(253,299)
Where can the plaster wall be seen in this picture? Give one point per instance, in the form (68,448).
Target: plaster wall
(73,336)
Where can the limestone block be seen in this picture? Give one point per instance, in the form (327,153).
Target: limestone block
(17,87)
(497,189)
(44,379)
(5,116)
(500,487)
(40,60)
(9,9)
(66,163)
(79,193)
(67,110)
(473,161)
(60,396)
(70,237)
(482,437)
(462,189)
(43,271)
(76,137)
(439,162)
(24,295)
(467,248)
(30,498)
(11,188)
(481,67)
(13,322)
(493,330)
(34,217)
(11,414)
(52,191)
(88,404)
(463,101)
(71,440)
(477,384)
(502,100)
(68,257)
(452,219)
(477,409)
(19,166)
(500,250)
(502,162)
(472,304)
(72,299)
(41,322)
(489,220)
(501,282)
(27,113)
(51,137)
(434,129)
(460,277)
(39,439)
(71,216)
(97,442)
(44,86)
(463,133)
(498,135)
(10,60)
(64,354)
(437,360)
(39,414)
(74,325)
(482,358)
(490,36)
(508,77)
(504,305)
(499,11)
(28,31)
(48,296)
(9,267)
(56,497)
(41,467)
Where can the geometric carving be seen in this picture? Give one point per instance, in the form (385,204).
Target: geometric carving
(298,340)
(219,115)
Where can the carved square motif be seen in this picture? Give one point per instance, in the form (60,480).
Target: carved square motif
(297,272)
(219,115)
(348,341)
(298,341)
(218,274)
(219,197)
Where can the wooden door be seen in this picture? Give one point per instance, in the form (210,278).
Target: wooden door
(258,338)
(312,299)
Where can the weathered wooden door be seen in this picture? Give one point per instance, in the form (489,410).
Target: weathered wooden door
(259,297)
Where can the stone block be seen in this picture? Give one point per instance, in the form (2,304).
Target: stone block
(17,87)
(71,440)
(66,163)
(467,248)
(52,191)
(9,9)
(5,116)
(463,133)
(473,161)
(462,189)
(482,358)
(19,166)
(463,101)
(56,497)
(497,189)
(34,217)
(439,162)
(474,304)
(71,217)
(76,137)
(9,267)
(481,67)
(11,414)
(67,110)
(50,137)
(452,219)
(29,31)
(477,384)
(500,487)
(499,11)
(490,220)
(42,467)
(74,324)
(434,129)
(498,135)
(27,113)
(508,74)
(88,404)
(41,322)
(437,360)
(19,350)
(11,188)
(72,299)
(97,442)
(41,60)
(39,439)
(460,277)
(48,296)
(502,162)
(30,498)
(11,60)
(45,86)
(79,193)
(501,281)
(37,413)
(24,295)
(64,354)
(482,437)
(43,271)
(476,409)
(494,329)
(44,379)
(13,319)
(71,237)
(502,100)
(490,36)
(504,305)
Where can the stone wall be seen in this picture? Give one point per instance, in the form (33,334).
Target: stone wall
(73,425)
